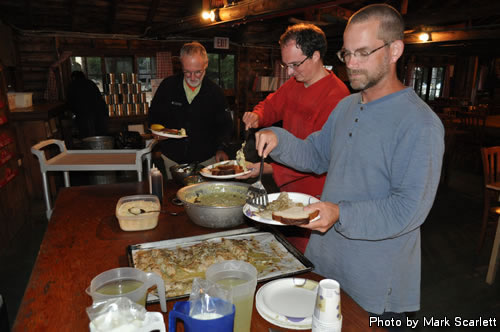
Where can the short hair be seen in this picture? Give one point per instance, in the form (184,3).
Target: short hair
(308,37)
(391,26)
(77,75)
(194,48)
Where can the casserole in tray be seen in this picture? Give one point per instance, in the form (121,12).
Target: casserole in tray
(179,261)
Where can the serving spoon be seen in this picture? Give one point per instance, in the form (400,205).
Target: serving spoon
(137,211)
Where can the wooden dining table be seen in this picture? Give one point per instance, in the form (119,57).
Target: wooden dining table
(83,239)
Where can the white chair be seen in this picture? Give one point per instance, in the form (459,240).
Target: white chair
(88,160)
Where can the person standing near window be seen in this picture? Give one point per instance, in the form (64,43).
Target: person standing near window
(191,101)
(86,102)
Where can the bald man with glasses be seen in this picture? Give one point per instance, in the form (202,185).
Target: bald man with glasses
(191,101)
(303,103)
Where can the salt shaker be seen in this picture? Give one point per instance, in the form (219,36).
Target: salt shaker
(156,183)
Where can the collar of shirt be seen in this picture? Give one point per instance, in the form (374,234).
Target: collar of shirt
(190,93)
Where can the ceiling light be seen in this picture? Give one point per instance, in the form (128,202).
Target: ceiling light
(424,37)
(208,15)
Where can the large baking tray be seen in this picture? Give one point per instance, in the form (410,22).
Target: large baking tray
(302,264)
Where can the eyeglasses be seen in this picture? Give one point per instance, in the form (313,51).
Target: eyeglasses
(293,66)
(197,73)
(362,56)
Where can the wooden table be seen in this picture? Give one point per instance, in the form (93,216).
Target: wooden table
(83,239)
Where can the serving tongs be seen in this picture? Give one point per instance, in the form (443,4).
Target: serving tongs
(257,194)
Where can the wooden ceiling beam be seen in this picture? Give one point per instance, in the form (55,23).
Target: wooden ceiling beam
(454,35)
(151,14)
(244,12)
(452,15)
(112,15)
(29,13)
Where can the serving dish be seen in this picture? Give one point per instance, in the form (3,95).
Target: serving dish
(274,258)
(213,216)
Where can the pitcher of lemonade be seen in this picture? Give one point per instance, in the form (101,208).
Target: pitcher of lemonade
(129,282)
(240,279)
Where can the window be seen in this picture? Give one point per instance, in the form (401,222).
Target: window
(221,70)
(428,82)
(93,69)
(146,71)
(91,66)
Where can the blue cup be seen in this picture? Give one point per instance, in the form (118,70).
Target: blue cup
(224,323)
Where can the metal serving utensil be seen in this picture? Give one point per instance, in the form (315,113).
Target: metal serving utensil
(137,211)
(257,194)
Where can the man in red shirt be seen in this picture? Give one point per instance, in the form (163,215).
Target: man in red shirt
(303,103)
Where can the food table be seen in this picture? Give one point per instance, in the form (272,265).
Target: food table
(83,239)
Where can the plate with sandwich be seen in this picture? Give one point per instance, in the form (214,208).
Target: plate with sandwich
(285,208)
(171,133)
(227,169)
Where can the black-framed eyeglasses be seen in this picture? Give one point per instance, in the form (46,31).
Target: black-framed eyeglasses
(293,66)
(362,56)
(197,73)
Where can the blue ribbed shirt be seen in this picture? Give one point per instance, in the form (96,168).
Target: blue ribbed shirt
(383,160)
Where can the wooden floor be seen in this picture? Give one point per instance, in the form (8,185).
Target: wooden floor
(453,276)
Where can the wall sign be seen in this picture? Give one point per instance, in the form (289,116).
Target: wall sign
(221,43)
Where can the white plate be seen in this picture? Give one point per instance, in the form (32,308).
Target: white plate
(288,302)
(206,171)
(164,134)
(249,210)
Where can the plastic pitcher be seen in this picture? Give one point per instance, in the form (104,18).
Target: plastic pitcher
(129,282)
(222,323)
(240,278)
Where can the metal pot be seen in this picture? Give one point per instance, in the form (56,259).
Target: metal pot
(213,216)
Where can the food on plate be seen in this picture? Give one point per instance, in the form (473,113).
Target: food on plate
(286,211)
(161,128)
(294,215)
(179,266)
(178,132)
(240,157)
(219,199)
(226,169)
(157,127)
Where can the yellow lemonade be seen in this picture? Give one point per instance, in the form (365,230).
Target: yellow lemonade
(243,305)
(122,286)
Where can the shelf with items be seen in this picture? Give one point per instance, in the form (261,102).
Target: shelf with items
(124,96)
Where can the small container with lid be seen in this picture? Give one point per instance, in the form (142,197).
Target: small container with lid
(130,216)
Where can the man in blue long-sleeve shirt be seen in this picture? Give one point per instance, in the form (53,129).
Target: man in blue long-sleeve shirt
(382,149)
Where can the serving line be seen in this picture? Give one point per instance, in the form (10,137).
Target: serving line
(84,239)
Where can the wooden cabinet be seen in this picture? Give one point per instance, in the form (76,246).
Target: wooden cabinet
(13,195)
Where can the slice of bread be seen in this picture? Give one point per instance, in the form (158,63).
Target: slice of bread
(295,215)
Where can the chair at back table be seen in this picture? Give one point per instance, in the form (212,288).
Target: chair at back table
(491,170)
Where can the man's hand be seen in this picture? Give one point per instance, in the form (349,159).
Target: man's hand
(221,156)
(329,215)
(251,120)
(255,168)
(267,139)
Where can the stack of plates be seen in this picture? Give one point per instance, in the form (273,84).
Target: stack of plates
(288,302)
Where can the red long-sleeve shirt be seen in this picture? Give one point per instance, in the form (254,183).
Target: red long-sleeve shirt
(303,111)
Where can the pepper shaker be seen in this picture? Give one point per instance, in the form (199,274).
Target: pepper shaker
(156,183)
